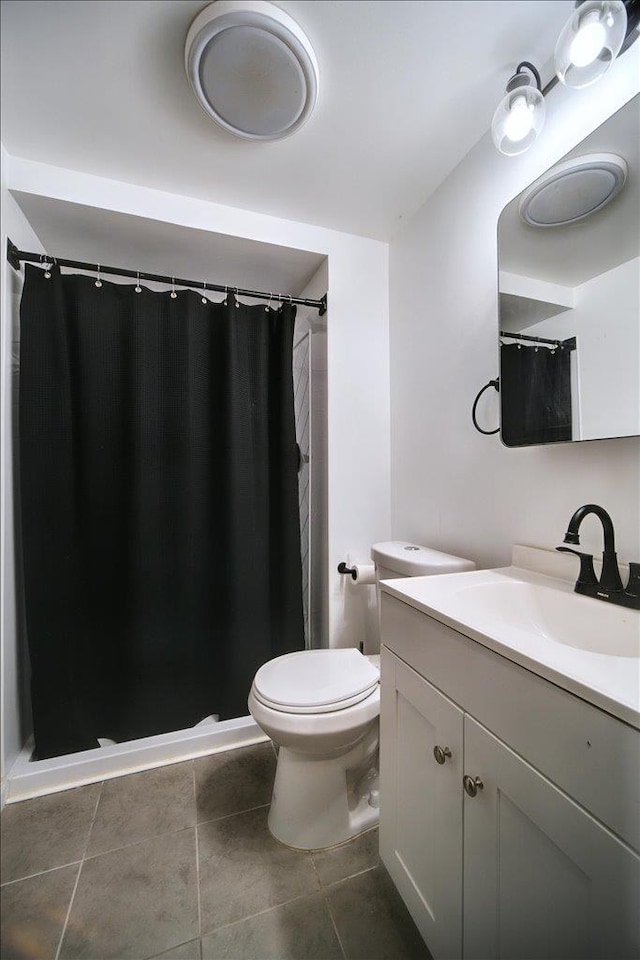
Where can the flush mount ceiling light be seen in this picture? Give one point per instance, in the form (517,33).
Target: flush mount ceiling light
(597,32)
(520,115)
(252,68)
(573,190)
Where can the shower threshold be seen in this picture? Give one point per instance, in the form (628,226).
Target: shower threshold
(34,778)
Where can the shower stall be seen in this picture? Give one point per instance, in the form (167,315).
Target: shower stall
(29,777)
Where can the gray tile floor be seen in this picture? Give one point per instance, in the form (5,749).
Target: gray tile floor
(178,863)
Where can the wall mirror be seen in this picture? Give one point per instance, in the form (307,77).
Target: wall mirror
(569,294)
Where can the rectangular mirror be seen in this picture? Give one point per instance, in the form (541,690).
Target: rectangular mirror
(569,294)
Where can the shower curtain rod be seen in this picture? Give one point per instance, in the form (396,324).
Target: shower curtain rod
(570,344)
(15,257)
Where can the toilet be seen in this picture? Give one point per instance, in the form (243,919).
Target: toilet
(322,709)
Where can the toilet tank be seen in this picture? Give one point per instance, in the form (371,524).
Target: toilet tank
(398,558)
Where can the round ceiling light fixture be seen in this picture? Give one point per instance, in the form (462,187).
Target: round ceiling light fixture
(252,68)
(573,190)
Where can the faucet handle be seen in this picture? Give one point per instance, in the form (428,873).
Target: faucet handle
(632,588)
(587,576)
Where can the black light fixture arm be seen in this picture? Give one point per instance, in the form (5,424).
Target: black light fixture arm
(633,24)
(16,257)
(526,65)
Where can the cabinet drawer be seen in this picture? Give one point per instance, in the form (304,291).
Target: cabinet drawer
(591,755)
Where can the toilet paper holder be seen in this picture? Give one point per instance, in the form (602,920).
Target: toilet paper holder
(345,570)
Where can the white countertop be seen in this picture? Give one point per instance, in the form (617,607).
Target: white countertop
(606,680)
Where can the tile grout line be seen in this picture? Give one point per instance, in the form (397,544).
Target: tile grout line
(40,873)
(350,876)
(75,886)
(136,843)
(66,919)
(323,893)
(195,802)
(238,813)
(252,916)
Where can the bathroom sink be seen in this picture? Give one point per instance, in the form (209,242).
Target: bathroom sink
(588,647)
(553,613)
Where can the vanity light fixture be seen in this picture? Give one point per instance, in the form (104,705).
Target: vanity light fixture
(252,68)
(520,114)
(590,41)
(597,32)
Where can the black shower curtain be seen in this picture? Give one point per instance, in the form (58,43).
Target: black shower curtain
(535,392)
(159,506)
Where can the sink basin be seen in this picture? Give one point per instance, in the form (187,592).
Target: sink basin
(554,613)
(588,647)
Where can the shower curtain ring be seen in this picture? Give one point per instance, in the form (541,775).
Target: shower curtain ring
(98,280)
(237,303)
(138,288)
(204,299)
(173,288)
(266,309)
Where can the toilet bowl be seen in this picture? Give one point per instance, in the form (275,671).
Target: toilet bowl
(322,708)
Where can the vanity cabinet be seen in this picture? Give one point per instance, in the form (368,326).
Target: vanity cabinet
(421,802)
(522,867)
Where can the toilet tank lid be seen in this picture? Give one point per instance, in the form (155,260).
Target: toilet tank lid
(413,560)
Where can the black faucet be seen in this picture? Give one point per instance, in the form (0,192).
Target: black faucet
(609,587)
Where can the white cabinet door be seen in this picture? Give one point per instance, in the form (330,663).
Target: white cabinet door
(542,879)
(421,803)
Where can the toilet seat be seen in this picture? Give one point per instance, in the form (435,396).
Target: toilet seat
(315,681)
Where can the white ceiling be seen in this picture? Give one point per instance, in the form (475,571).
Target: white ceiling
(406,89)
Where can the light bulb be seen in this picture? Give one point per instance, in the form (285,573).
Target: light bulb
(520,120)
(587,43)
(590,41)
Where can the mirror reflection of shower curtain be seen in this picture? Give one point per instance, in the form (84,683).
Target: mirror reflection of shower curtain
(535,394)
(159,506)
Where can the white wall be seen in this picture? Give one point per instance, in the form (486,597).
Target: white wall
(358,445)
(16,227)
(318,466)
(605,320)
(453,488)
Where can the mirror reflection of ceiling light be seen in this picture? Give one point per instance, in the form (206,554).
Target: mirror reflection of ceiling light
(573,190)
(252,69)
(596,33)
